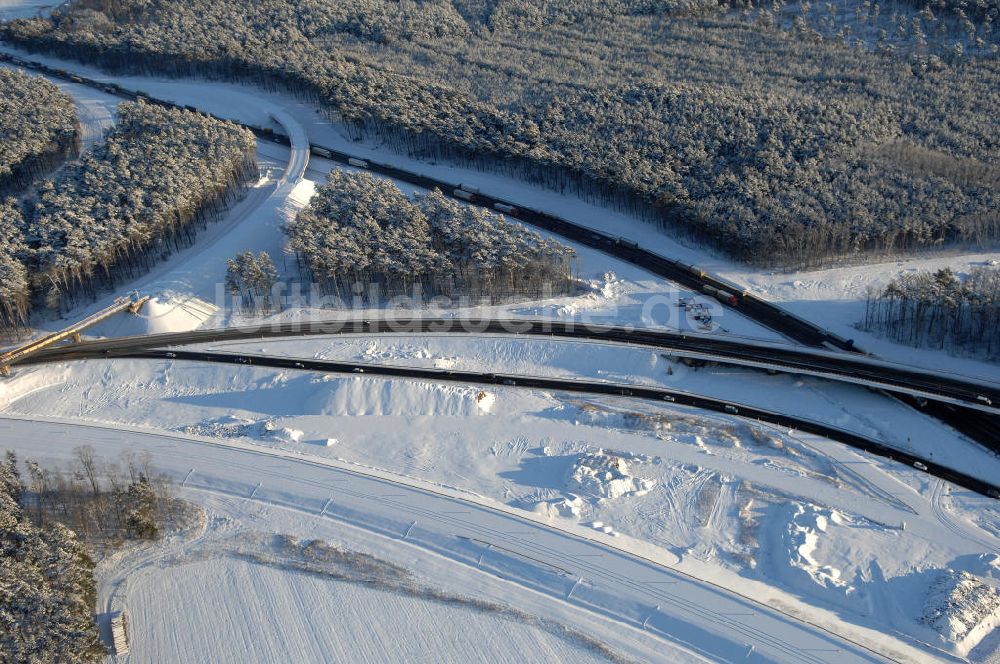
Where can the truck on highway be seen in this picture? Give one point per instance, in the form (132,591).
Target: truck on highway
(721,295)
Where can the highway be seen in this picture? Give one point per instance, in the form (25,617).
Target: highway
(697,616)
(94,351)
(689,614)
(690,276)
(984,427)
(855,369)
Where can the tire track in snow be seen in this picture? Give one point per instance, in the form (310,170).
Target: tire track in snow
(948,519)
(783,636)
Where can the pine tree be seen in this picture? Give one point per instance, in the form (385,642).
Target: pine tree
(47,590)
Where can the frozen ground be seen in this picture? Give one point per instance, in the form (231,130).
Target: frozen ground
(277,613)
(834,529)
(799,523)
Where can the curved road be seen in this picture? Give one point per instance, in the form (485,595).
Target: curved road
(849,438)
(856,369)
(982,427)
(694,614)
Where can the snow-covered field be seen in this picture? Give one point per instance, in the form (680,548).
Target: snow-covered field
(876,552)
(276,613)
(844,406)
(828,526)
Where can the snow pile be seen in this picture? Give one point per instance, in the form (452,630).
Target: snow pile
(560,507)
(613,287)
(600,526)
(603,475)
(287,435)
(165,312)
(601,293)
(375,351)
(986,565)
(172,313)
(299,197)
(805,527)
(358,396)
(281,434)
(485,401)
(962,609)
(228,426)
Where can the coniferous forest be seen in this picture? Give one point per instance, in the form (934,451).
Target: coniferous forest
(780,146)
(47,589)
(38,129)
(14,291)
(130,201)
(940,310)
(360,229)
(54,522)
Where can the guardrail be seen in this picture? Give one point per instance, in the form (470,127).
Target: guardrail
(855,369)
(657,394)
(19,354)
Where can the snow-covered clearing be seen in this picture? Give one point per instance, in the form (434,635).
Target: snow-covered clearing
(847,407)
(642,593)
(722,495)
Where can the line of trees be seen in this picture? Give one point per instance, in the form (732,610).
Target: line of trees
(159,175)
(252,278)
(938,309)
(14,293)
(38,126)
(47,589)
(360,229)
(746,141)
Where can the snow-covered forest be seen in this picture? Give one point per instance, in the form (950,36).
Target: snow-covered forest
(120,208)
(47,589)
(105,502)
(38,129)
(14,292)
(360,229)
(251,278)
(133,199)
(780,144)
(940,310)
